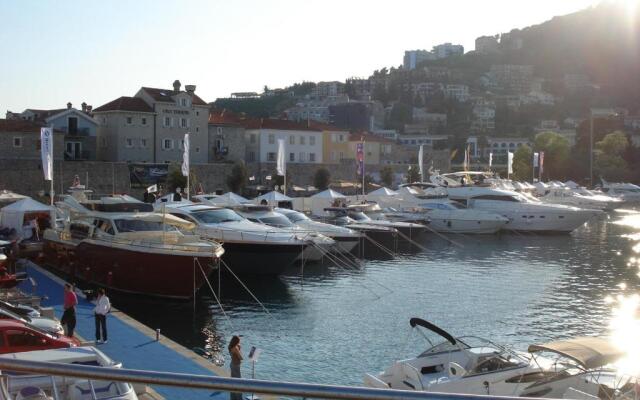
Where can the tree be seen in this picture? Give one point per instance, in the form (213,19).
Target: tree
(175,179)
(522,163)
(556,154)
(413,174)
(237,179)
(386,175)
(322,178)
(609,163)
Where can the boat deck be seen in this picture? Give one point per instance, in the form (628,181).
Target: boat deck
(130,342)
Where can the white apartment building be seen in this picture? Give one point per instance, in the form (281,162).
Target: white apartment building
(414,57)
(302,144)
(483,118)
(447,50)
(457,91)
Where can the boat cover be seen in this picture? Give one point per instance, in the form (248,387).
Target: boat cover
(589,352)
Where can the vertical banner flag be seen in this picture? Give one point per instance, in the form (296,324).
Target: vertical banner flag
(535,160)
(541,163)
(360,158)
(490,159)
(465,165)
(185,156)
(420,160)
(46,150)
(280,161)
(509,163)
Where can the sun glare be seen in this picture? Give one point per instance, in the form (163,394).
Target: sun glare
(625,331)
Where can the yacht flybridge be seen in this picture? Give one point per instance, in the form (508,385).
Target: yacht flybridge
(467,365)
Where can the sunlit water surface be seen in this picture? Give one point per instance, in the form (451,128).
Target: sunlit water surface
(331,325)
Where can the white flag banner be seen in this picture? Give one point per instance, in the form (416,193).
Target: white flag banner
(510,163)
(420,161)
(153,188)
(490,159)
(535,160)
(46,150)
(185,156)
(280,162)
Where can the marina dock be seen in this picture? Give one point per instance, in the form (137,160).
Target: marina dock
(130,342)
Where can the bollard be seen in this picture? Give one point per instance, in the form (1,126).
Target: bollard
(157,334)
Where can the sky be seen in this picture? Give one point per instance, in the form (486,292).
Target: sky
(54,52)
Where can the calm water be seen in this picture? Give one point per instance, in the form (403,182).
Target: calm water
(331,325)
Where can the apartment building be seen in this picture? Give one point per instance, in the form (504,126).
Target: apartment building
(303,144)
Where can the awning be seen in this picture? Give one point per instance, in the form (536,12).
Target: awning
(590,352)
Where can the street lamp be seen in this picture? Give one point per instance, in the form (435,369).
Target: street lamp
(596,113)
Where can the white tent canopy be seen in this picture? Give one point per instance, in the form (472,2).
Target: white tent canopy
(324,199)
(272,197)
(328,194)
(383,191)
(228,199)
(13,216)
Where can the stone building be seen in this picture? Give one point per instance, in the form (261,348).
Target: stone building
(20,140)
(226,137)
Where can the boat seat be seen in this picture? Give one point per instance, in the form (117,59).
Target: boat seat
(455,370)
(32,393)
(82,390)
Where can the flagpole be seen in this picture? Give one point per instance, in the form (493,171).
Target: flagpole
(51,188)
(363,162)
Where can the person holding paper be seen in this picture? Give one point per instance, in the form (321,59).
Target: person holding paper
(236,360)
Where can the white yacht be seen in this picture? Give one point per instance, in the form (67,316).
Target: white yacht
(625,191)
(467,365)
(319,244)
(346,239)
(250,247)
(577,197)
(524,213)
(21,386)
(446,216)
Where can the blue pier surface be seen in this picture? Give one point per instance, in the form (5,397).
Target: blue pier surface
(127,344)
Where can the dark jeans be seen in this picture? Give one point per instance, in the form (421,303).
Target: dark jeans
(101,325)
(235,373)
(69,320)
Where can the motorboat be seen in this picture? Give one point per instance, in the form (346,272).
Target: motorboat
(525,214)
(362,213)
(578,368)
(466,365)
(446,215)
(250,247)
(346,239)
(577,197)
(319,244)
(628,192)
(47,325)
(20,386)
(139,251)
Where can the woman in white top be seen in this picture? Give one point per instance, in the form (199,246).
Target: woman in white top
(103,306)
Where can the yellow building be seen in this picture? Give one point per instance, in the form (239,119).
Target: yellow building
(335,146)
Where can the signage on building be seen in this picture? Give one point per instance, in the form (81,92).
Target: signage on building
(143,175)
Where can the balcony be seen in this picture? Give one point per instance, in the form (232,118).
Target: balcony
(79,132)
(221,151)
(80,156)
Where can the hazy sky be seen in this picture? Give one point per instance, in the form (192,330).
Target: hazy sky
(53,52)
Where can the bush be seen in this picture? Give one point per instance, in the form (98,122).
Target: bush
(322,178)
(386,175)
(238,178)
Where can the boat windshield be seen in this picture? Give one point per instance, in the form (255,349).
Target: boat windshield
(442,206)
(296,216)
(139,225)
(359,216)
(216,216)
(277,221)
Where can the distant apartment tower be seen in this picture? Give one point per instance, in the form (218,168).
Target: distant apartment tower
(447,50)
(487,45)
(414,57)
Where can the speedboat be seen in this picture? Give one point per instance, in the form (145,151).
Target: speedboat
(362,213)
(20,386)
(468,365)
(626,191)
(446,216)
(578,368)
(141,252)
(525,214)
(578,197)
(319,244)
(346,239)
(47,325)
(250,248)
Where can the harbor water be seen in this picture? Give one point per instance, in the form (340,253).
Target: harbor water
(327,324)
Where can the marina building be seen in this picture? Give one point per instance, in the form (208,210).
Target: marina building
(303,144)
(226,137)
(20,140)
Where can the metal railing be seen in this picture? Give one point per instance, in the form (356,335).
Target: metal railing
(305,390)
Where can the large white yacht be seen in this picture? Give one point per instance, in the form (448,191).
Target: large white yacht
(445,215)
(556,193)
(346,239)
(524,213)
(468,365)
(250,247)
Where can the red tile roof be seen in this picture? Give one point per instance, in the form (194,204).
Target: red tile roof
(225,117)
(125,103)
(20,125)
(326,127)
(166,94)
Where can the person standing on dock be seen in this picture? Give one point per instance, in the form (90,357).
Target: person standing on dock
(69,316)
(103,306)
(236,360)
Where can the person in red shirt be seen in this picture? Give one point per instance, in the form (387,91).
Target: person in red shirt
(69,315)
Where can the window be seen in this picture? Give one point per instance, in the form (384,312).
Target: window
(167,144)
(312,157)
(183,122)
(251,156)
(183,102)
(292,156)
(143,121)
(334,137)
(292,139)
(197,113)
(197,129)
(129,142)
(103,142)
(197,149)
(219,130)
(312,140)
(143,143)
(341,138)
(17,141)
(302,157)
(272,139)
(334,156)
(302,140)
(167,121)
(129,120)
(271,156)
